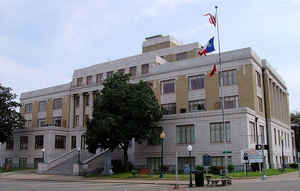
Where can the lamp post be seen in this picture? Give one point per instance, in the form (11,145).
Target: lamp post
(190,148)
(282,153)
(78,149)
(162,137)
(43,154)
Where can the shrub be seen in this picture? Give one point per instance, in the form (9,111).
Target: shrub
(230,168)
(117,166)
(200,168)
(293,165)
(134,172)
(215,169)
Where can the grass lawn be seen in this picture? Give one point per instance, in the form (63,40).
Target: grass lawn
(128,175)
(12,169)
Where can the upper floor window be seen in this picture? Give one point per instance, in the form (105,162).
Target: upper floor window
(132,71)
(39,141)
(217,132)
(89,80)
(42,106)
(99,78)
(253,135)
(23,142)
(229,77)
(57,103)
(57,121)
(60,142)
(169,108)
(231,102)
(185,134)
(79,81)
(260,104)
(181,56)
(145,68)
(196,82)
(28,124)
(258,78)
(121,71)
(109,74)
(87,99)
(197,105)
(77,100)
(168,86)
(42,122)
(28,108)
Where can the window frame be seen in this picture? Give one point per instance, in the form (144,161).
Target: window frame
(217,134)
(199,102)
(185,134)
(60,142)
(24,142)
(145,69)
(41,109)
(28,108)
(38,142)
(164,84)
(57,103)
(201,82)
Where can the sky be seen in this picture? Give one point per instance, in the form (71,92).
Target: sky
(43,42)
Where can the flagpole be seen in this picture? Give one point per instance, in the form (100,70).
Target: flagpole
(222,94)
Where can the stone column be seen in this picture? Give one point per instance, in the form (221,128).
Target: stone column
(81,110)
(72,111)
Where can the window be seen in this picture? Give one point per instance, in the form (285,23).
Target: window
(39,141)
(132,71)
(196,82)
(86,99)
(278,135)
(77,100)
(83,142)
(262,134)
(185,134)
(57,121)
(28,124)
(79,82)
(76,120)
(86,117)
(28,108)
(219,160)
(169,108)
(229,77)
(99,78)
(23,142)
(42,122)
(73,142)
(145,68)
(258,78)
(275,139)
(184,162)
(252,132)
(10,143)
(168,86)
(60,142)
(42,106)
(121,71)
(89,80)
(22,162)
(109,74)
(260,104)
(217,132)
(181,56)
(153,163)
(57,103)
(197,105)
(231,102)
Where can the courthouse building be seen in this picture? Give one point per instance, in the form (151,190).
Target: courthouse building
(256,108)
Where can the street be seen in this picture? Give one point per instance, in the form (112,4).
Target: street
(25,185)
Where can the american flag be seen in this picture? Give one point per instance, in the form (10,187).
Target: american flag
(212,19)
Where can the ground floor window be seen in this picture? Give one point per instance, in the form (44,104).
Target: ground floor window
(83,142)
(73,142)
(39,141)
(184,162)
(219,160)
(185,134)
(153,163)
(23,162)
(60,142)
(217,132)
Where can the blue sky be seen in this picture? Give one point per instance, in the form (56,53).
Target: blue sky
(42,42)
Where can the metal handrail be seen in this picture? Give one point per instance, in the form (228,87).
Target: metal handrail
(62,156)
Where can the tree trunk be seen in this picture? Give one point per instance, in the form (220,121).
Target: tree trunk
(125,158)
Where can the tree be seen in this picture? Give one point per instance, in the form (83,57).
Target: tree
(295,118)
(10,119)
(123,111)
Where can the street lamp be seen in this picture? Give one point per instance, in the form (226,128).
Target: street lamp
(162,137)
(78,149)
(282,152)
(43,154)
(190,148)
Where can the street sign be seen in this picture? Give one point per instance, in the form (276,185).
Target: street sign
(227,152)
(254,156)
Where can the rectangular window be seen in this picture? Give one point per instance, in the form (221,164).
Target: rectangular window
(99,78)
(217,132)
(60,142)
(169,108)
(132,71)
(258,78)
(89,80)
(252,132)
(262,134)
(39,141)
(275,139)
(229,78)
(42,122)
(145,68)
(57,121)
(83,142)
(86,117)
(168,86)
(23,142)
(231,102)
(28,124)
(109,74)
(10,143)
(185,134)
(28,108)
(121,71)
(197,105)
(278,135)
(260,104)
(57,103)
(77,100)
(153,163)
(79,81)
(184,162)
(76,120)
(42,106)
(73,142)
(87,99)
(22,162)
(196,82)
(181,56)
(219,160)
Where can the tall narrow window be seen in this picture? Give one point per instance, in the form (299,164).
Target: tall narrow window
(42,106)
(23,142)
(145,68)
(185,134)
(262,134)
(99,78)
(260,104)
(77,100)
(57,103)
(89,80)
(196,82)
(10,143)
(28,108)
(132,71)
(217,132)
(73,142)
(79,81)
(57,121)
(275,138)
(87,99)
(39,142)
(60,142)
(83,142)
(258,78)
(168,86)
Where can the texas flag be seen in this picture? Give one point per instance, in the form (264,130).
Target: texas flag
(208,48)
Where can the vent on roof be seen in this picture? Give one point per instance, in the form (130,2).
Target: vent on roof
(151,37)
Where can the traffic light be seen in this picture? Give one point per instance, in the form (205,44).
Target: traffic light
(245,156)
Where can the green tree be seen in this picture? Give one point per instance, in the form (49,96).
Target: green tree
(295,117)
(10,118)
(123,111)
